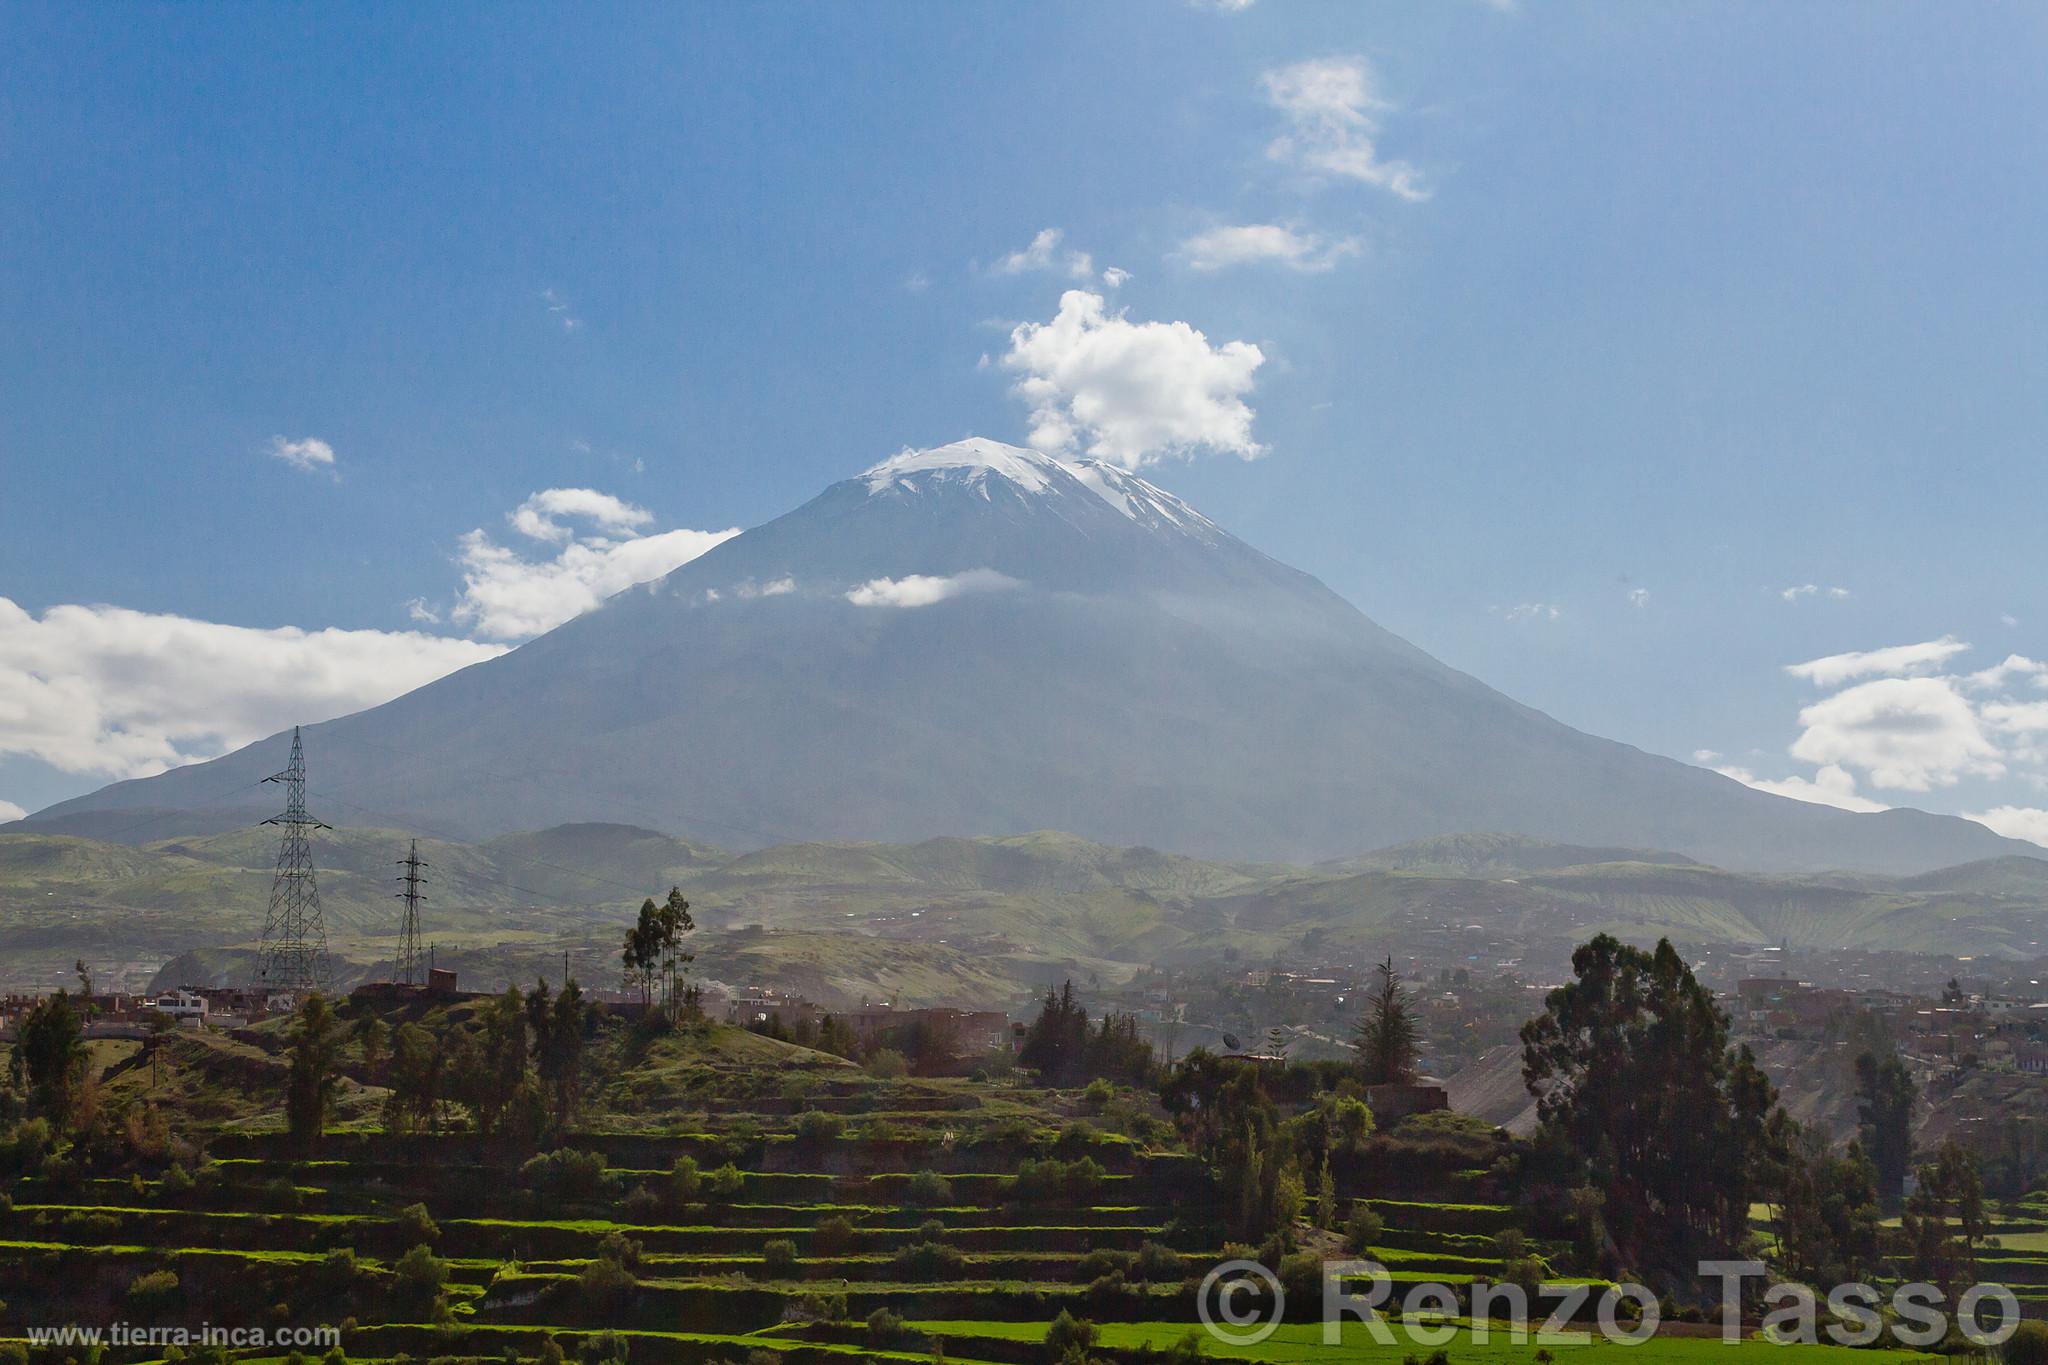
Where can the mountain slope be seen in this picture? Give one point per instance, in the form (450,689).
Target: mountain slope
(979,639)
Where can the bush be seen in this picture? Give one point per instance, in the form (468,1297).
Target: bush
(420,1274)
(815,1129)
(616,1246)
(416,1225)
(1157,1264)
(684,1181)
(1301,1276)
(1102,1261)
(727,1182)
(2029,1345)
(643,1205)
(1068,1335)
(884,1327)
(927,1189)
(1098,1094)
(157,1289)
(1363,1228)
(888,1065)
(605,1284)
(927,1261)
(338,1270)
(565,1173)
(778,1259)
(177,1181)
(833,1236)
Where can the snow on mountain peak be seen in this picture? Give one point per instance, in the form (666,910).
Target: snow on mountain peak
(973,460)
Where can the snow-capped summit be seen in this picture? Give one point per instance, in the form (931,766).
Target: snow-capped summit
(982,639)
(973,462)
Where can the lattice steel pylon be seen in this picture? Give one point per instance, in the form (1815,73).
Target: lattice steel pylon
(410,969)
(293,955)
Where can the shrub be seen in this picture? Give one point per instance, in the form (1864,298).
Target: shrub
(884,1326)
(1084,1179)
(606,1348)
(2029,1345)
(420,1274)
(684,1181)
(833,1236)
(616,1246)
(724,1183)
(1363,1228)
(1157,1264)
(778,1259)
(605,1284)
(565,1173)
(1102,1261)
(928,1260)
(338,1270)
(416,1225)
(152,1291)
(177,1181)
(1105,1290)
(1068,1336)
(642,1204)
(1301,1276)
(888,1065)
(815,1129)
(928,1188)
(1098,1094)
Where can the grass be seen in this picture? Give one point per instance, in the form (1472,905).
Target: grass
(1302,1344)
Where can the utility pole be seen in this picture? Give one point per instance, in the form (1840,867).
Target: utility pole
(293,953)
(409,928)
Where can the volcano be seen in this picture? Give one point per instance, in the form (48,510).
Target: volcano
(982,639)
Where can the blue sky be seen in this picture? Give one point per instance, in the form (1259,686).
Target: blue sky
(1585,333)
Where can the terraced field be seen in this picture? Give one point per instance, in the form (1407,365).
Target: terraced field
(725,1198)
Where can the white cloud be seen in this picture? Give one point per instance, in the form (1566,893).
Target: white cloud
(2015,822)
(1531,611)
(10,812)
(1223,6)
(1044,253)
(1897,660)
(1911,734)
(1639,597)
(422,611)
(1706,756)
(1130,392)
(1265,244)
(543,515)
(1793,594)
(507,596)
(1116,277)
(310,455)
(1333,117)
(1832,785)
(2013,666)
(749,590)
(558,309)
(108,692)
(921,590)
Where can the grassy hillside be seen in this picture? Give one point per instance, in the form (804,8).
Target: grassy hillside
(948,918)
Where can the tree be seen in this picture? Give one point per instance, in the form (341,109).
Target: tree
(315,1072)
(491,1071)
(672,921)
(417,1075)
(1635,1080)
(1388,1040)
(373,1037)
(1885,1094)
(1944,1220)
(50,1060)
(558,1046)
(1827,1210)
(1056,1044)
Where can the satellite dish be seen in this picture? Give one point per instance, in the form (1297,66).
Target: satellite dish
(1230,1041)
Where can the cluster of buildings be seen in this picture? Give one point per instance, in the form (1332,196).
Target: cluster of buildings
(1967,1025)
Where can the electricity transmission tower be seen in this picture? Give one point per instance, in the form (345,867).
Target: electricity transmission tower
(293,956)
(409,965)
